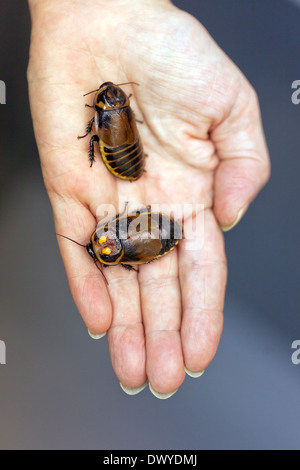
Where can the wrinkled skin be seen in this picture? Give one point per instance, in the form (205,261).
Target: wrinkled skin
(203,136)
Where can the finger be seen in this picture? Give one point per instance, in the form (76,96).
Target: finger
(203,279)
(161,307)
(244,162)
(126,335)
(87,285)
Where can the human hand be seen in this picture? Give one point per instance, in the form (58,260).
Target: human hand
(203,134)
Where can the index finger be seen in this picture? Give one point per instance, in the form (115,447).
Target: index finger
(88,287)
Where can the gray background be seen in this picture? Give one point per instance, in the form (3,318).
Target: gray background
(57,389)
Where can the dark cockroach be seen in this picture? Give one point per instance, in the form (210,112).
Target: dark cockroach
(116,132)
(132,239)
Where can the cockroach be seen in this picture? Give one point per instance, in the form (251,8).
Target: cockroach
(116,133)
(133,239)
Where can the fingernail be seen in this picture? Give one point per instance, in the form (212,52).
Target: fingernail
(94,336)
(161,396)
(241,212)
(133,391)
(194,374)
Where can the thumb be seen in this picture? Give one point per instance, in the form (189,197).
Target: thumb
(244,166)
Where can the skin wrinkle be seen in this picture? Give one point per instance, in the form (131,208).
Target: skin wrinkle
(56,191)
(152,332)
(117,280)
(199,309)
(86,276)
(159,281)
(63,201)
(197,262)
(125,326)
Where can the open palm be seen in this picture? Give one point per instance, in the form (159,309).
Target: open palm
(202,133)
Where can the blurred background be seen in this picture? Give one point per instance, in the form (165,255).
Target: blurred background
(57,389)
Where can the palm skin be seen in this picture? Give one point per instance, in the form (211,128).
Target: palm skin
(202,133)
